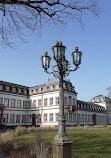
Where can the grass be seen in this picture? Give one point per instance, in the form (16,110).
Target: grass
(86,143)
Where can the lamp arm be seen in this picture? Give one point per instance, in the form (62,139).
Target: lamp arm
(74,69)
(53,72)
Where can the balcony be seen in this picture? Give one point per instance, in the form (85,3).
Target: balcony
(71,108)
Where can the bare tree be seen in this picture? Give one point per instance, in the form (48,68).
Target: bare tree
(17,15)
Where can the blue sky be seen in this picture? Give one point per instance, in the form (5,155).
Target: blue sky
(23,65)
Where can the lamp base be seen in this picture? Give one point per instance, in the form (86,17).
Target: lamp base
(62,147)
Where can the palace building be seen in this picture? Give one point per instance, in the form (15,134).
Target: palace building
(39,106)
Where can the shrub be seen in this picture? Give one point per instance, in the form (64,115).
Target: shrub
(20,130)
(7,136)
(31,129)
(6,147)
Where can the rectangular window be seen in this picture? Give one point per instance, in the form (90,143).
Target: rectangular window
(1,87)
(19,90)
(29,104)
(24,104)
(51,117)
(74,117)
(5,118)
(39,102)
(1,101)
(45,102)
(57,100)
(45,117)
(23,118)
(18,118)
(73,102)
(65,101)
(12,118)
(12,103)
(6,102)
(34,103)
(7,88)
(18,103)
(70,117)
(70,101)
(29,118)
(38,118)
(51,101)
(14,89)
(57,115)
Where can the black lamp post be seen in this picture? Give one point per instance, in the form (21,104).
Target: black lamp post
(61,142)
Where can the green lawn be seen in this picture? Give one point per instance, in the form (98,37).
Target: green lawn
(86,143)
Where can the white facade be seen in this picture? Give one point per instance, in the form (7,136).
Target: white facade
(39,106)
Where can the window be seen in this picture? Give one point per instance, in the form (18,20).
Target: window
(70,117)
(39,102)
(24,104)
(12,117)
(5,118)
(18,103)
(1,87)
(57,114)
(12,103)
(65,101)
(34,103)
(57,100)
(89,118)
(7,88)
(23,118)
(29,118)
(38,118)
(85,118)
(51,117)
(73,102)
(1,101)
(45,102)
(14,89)
(51,101)
(70,103)
(19,90)
(45,117)
(18,118)
(29,104)
(74,117)
(6,102)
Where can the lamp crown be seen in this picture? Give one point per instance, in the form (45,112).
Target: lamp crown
(57,42)
(60,42)
(76,48)
(45,52)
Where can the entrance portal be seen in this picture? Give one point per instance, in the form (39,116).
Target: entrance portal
(94,119)
(33,119)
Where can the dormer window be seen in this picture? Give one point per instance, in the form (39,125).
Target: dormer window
(19,90)
(7,88)
(14,89)
(1,87)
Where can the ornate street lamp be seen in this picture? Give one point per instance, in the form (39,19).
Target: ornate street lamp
(61,142)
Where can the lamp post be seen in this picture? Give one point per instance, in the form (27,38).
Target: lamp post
(61,143)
